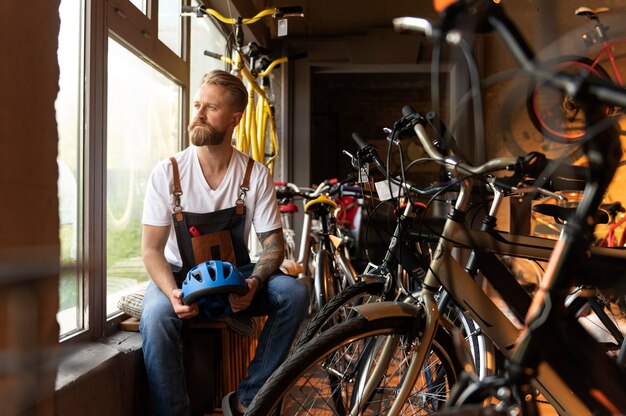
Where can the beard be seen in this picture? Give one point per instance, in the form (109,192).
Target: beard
(201,134)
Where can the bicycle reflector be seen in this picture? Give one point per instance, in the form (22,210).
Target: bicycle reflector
(209,284)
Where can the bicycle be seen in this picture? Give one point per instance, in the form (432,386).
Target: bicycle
(256,134)
(330,269)
(401,271)
(556,114)
(399,326)
(547,340)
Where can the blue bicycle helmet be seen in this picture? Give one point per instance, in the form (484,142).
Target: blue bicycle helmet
(213,280)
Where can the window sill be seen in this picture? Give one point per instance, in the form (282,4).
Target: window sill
(105,377)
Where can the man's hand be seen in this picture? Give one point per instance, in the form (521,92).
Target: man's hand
(241,302)
(183,311)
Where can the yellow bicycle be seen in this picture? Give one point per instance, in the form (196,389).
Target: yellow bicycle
(256,135)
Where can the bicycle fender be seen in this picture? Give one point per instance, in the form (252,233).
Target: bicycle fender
(378,310)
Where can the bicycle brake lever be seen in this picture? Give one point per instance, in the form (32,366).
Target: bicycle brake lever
(353,160)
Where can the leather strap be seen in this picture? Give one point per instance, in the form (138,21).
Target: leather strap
(246,178)
(178,210)
(240,204)
(245,185)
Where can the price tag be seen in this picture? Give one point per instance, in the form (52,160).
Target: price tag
(364,174)
(282,27)
(386,190)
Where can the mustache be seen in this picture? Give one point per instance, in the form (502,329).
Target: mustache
(196,123)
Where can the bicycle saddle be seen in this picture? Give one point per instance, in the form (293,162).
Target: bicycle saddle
(614,208)
(321,200)
(589,12)
(561,214)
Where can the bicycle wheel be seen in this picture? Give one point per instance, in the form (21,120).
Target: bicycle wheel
(323,279)
(339,309)
(555,114)
(320,378)
(481,348)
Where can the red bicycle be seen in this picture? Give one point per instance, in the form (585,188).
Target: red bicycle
(556,114)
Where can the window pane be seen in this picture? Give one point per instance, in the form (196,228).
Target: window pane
(204,36)
(170,24)
(140,4)
(69,108)
(143,124)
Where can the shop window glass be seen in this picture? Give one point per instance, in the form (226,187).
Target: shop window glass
(143,117)
(141,5)
(204,36)
(69,116)
(170,25)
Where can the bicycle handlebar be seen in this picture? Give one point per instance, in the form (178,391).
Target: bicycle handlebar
(290,11)
(551,176)
(367,153)
(328,187)
(275,12)
(500,163)
(494,18)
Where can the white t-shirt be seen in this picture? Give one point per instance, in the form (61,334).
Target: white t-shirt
(198,197)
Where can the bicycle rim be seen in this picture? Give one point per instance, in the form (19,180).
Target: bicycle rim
(555,114)
(319,379)
(480,347)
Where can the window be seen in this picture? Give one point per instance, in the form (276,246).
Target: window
(205,35)
(69,109)
(170,25)
(143,127)
(121,108)
(140,4)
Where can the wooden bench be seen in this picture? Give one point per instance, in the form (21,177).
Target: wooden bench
(215,358)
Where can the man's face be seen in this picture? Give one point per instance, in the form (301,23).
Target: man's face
(214,117)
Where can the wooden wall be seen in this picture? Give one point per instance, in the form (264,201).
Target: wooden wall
(29,246)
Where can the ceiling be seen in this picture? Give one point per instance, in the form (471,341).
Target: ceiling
(337,18)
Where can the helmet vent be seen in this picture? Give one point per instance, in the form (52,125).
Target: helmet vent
(197,275)
(212,273)
(226,270)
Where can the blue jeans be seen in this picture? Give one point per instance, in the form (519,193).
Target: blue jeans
(284,300)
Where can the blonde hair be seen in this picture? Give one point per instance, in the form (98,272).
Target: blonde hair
(238,92)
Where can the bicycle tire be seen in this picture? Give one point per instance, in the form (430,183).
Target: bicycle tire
(323,278)
(336,310)
(304,373)
(551,111)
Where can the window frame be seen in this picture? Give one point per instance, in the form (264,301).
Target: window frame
(138,32)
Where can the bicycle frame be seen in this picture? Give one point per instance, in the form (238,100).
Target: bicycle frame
(252,133)
(445,271)
(606,48)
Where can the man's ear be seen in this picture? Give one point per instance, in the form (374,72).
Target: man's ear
(236,118)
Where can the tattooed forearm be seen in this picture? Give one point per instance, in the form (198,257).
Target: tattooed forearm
(273,253)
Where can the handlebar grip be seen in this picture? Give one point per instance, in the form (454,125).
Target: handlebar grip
(198,11)
(569,178)
(295,56)
(407,110)
(413,24)
(214,55)
(360,141)
(289,11)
